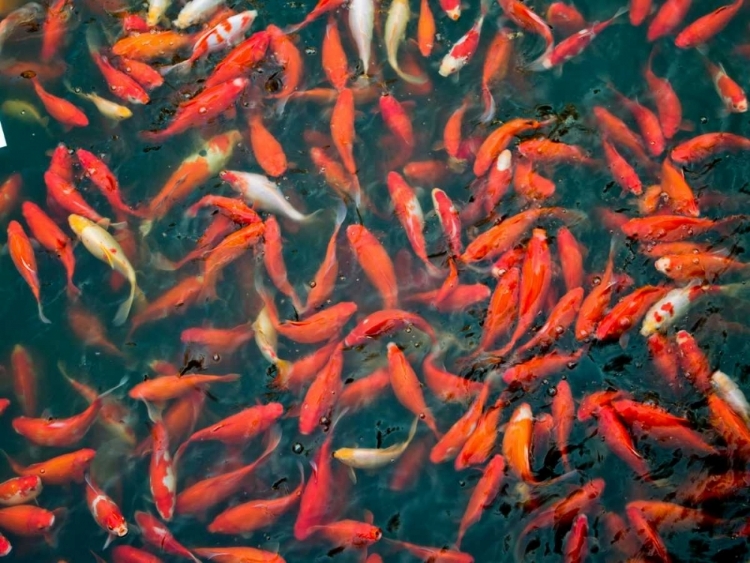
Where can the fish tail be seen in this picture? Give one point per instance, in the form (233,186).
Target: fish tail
(208,290)
(489,105)
(42,316)
(180,69)
(283,371)
(72,291)
(161,262)
(542,62)
(145,227)
(124,310)
(410,78)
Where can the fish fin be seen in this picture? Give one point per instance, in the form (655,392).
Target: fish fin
(161,262)
(145,227)
(107,255)
(352,474)
(108,541)
(124,309)
(42,317)
(489,105)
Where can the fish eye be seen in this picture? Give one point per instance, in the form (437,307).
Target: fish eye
(110,527)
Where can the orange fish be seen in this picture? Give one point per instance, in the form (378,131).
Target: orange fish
(342,129)
(51,237)
(158,535)
(376,263)
(450,443)
(477,448)
(483,495)
(322,395)
(335,63)
(425,29)
(407,388)
(62,432)
(168,387)
(273,259)
(61,110)
(20,490)
(61,470)
(22,254)
(255,515)
(267,150)
(207,493)
(24,379)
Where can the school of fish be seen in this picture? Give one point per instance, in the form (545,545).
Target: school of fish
(451,295)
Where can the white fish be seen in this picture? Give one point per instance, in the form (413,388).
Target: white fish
(27,13)
(156,11)
(259,191)
(107,108)
(265,336)
(395,28)
(728,390)
(374,458)
(104,247)
(196,11)
(361,22)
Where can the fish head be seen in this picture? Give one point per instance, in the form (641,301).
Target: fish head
(78,223)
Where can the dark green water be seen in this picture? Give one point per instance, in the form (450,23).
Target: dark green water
(428,512)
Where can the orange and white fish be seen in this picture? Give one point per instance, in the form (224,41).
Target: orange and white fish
(375,458)
(20,490)
(105,511)
(463,50)
(732,95)
(226,33)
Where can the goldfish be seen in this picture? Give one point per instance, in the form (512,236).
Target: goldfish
(667,18)
(61,470)
(255,514)
(63,432)
(205,106)
(375,458)
(26,520)
(729,391)
(104,510)
(22,254)
(705,27)
(263,193)
(241,59)
(158,535)
(20,490)
(104,247)
(463,50)
(668,105)
(383,322)
(574,45)
(375,262)
(732,95)
(361,22)
(395,29)
(169,387)
(322,394)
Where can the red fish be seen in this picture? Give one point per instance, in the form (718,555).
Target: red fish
(576,543)
(477,448)
(240,60)
(574,45)
(384,322)
(204,107)
(27,521)
(158,535)
(560,318)
(103,178)
(628,312)
(450,443)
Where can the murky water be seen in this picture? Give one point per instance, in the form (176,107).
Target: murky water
(427,507)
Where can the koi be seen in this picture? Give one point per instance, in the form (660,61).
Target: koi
(22,254)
